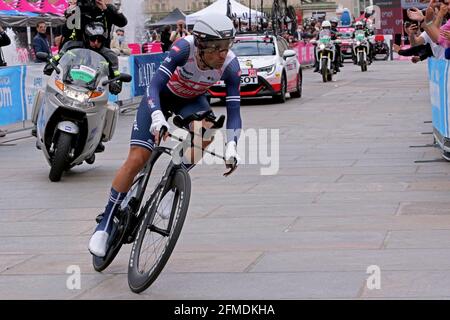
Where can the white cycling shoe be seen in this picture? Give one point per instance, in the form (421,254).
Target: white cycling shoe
(165,206)
(97,244)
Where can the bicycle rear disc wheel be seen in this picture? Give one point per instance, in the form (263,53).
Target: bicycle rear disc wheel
(151,249)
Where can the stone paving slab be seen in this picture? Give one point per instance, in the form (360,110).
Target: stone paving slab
(261,286)
(372,223)
(412,284)
(424,207)
(353,260)
(305,210)
(261,241)
(419,239)
(25,287)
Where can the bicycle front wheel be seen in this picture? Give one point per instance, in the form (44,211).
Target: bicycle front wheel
(157,236)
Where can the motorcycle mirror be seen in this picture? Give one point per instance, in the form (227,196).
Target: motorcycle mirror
(42,56)
(125,77)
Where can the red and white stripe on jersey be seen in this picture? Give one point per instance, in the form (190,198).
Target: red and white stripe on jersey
(188,81)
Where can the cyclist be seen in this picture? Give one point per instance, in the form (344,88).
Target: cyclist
(194,64)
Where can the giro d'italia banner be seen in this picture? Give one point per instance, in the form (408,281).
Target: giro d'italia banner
(12,95)
(438,75)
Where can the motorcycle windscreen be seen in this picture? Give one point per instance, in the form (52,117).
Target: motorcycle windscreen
(360,35)
(325,36)
(83,68)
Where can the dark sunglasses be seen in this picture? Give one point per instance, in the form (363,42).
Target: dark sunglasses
(94,38)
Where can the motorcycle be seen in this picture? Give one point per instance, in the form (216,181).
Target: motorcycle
(325,55)
(381,49)
(72,115)
(361,49)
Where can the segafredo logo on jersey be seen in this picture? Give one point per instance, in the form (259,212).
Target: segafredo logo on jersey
(259,147)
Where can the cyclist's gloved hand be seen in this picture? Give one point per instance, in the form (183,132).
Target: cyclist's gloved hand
(158,120)
(231,156)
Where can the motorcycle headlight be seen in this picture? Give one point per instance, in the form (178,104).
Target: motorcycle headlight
(269,69)
(322,46)
(79,96)
(358,43)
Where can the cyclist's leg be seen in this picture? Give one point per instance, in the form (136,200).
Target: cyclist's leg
(193,106)
(141,145)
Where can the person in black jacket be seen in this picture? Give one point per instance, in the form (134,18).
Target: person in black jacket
(40,42)
(4,41)
(106,14)
(165,38)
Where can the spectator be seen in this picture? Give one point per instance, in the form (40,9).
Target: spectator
(40,42)
(165,38)
(431,34)
(4,41)
(180,32)
(118,44)
(155,37)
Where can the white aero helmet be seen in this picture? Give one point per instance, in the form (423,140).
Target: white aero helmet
(326,24)
(213,29)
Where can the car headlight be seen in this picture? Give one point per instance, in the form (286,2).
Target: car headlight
(322,46)
(269,69)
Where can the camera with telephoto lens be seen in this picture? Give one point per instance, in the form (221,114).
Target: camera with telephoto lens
(86,6)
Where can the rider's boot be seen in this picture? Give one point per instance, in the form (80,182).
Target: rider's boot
(99,240)
(316,66)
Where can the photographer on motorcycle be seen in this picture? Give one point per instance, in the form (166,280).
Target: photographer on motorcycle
(326,25)
(93,11)
(94,38)
(359,25)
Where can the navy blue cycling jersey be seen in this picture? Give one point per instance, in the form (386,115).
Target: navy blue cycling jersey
(180,75)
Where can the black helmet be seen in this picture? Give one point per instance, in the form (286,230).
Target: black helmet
(95,30)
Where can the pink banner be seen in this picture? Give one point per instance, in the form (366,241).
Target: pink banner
(56,7)
(305,52)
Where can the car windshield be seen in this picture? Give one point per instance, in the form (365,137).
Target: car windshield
(253,48)
(83,68)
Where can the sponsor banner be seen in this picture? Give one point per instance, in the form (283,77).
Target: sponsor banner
(125,94)
(305,52)
(143,68)
(438,77)
(35,80)
(407,4)
(12,95)
(391,16)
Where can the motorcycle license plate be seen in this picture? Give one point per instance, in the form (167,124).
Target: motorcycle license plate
(248,80)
